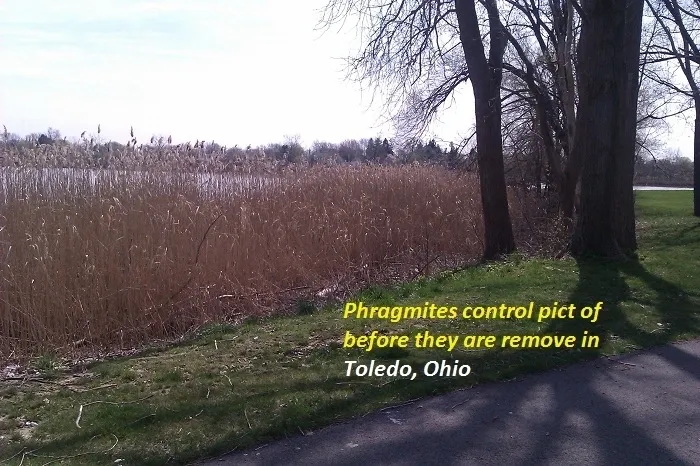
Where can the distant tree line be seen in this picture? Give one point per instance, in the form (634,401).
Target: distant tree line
(669,171)
(521,168)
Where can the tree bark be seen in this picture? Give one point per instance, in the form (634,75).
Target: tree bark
(602,73)
(623,207)
(486,77)
(572,169)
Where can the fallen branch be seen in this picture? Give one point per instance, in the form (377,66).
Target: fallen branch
(400,405)
(38,380)
(246,418)
(257,294)
(460,404)
(107,385)
(21,452)
(620,362)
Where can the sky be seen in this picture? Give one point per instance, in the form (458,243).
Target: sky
(235,72)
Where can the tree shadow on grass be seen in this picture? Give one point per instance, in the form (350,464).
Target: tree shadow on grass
(669,309)
(605,281)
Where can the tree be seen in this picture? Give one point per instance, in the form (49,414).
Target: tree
(324,152)
(351,150)
(607,59)
(433,152)
(486,76)
(541,82)
(680,22)
(44,139)
(371,150)
(413,45)
(542,78)
(386,150)
(454,158)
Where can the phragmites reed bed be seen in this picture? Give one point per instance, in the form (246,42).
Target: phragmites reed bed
(117,258)
(106,246)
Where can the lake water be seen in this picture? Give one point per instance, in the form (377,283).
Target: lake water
(660,188)
(50,180)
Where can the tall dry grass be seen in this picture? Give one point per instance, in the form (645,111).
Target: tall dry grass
(113,259)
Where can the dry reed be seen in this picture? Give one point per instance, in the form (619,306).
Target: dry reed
(117,259)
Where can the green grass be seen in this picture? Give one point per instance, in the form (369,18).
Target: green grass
(238,387)
(664,203)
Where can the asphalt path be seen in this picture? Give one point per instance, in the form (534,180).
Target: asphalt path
(638,409)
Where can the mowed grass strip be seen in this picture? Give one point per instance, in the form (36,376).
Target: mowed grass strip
(239,387)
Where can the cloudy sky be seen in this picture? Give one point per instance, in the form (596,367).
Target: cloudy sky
(235,72)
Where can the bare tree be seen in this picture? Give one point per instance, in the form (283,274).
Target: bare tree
(486,75)
(679,21)
(543,37)
(413,45)
(542,75)
(657,103)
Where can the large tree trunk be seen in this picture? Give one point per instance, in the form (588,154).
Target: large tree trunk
(497,225)
(623,207)
(599,122)
(486,79)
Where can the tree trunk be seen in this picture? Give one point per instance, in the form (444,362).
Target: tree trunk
(572,169)
(497,225)
(567,192)
(599,122)
(486,79)
(538,172)
(623,207)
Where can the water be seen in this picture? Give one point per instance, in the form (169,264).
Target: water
(660,188)
(87,181)
(51,180)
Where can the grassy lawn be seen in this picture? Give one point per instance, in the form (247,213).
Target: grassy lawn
(238,387)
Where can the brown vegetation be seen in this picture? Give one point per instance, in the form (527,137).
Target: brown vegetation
(115,259)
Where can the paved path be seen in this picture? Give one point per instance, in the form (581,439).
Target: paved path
(641,409)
